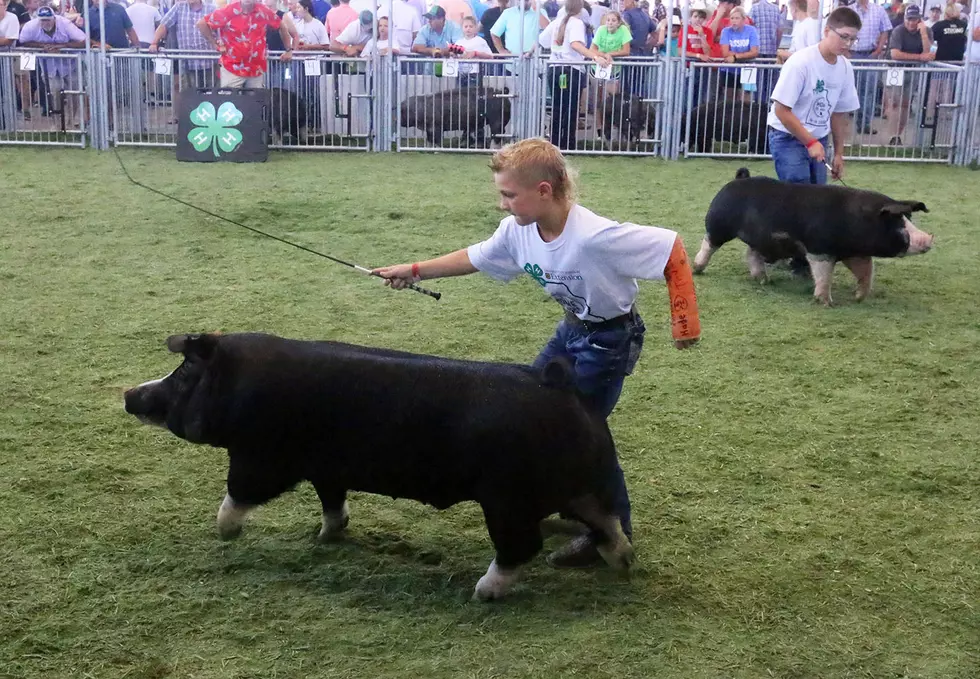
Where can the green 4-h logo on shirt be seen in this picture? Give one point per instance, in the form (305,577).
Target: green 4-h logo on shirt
(216,130)
(536,273)
(819,88)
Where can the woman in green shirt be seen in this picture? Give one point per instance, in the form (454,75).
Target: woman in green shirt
(611,40)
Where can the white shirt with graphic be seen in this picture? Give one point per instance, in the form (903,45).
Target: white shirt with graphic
(590,269)
(814,89)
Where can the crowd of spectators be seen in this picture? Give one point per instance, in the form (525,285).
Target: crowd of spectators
(600,34)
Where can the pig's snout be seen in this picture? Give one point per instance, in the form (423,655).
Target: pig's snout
(919,241)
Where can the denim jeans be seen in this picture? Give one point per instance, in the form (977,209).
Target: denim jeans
(793,162)
(602,360)
(866,83)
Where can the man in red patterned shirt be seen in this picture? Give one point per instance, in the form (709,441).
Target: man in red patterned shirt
(241,40)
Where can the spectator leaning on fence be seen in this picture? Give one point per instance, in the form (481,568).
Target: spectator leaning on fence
(871,44)
(383,45)
(517,29)
(567,37)
(806,30)
(53,33)
(184,17)
(720,20)
(352,39)
(811,100)
(739,43)
(241,41)
(909,42)
(437,35)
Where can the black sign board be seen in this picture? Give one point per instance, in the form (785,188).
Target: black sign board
(223,125)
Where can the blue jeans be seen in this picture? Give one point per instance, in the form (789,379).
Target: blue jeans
(793,162)
(602,360)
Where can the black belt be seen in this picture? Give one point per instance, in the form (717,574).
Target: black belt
(611,324)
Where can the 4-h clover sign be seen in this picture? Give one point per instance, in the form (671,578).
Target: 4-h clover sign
(223,124)
(216,130)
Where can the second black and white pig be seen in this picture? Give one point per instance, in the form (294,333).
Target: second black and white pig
(825,224)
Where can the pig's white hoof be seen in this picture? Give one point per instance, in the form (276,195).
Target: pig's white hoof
(334,524)
(231,518)
(496,584)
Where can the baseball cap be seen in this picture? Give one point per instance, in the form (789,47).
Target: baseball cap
(45,13)
(913,12)
(436,12)
(366,17)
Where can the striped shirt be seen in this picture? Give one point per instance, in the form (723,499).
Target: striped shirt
(874,22)
(185,18)
(766,19)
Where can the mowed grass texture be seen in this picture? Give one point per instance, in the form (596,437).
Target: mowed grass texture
(804,481)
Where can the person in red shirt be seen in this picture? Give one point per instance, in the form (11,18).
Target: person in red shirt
(699,37)
(241,41)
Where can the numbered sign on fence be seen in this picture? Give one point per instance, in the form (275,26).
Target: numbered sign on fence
(748,76)
(311,67)
(27,62)
(450,68)
(162,66)
(894,77)
(603,72)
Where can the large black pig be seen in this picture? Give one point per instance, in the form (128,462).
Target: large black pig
(467,109)
(731,121)
(824,223)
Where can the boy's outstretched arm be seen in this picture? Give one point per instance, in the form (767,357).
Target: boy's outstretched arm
(684,320)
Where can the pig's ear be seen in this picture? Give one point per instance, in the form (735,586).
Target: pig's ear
(193,346)
(903,207)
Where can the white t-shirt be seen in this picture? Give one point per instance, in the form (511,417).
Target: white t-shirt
(805,33)
(9,26)
(814,89)
(312,32)
(590,269)
(574,32)
(370,48)
(403,26)
(354,34)
(474,44)
(145,19)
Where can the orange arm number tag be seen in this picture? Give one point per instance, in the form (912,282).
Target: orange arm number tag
(684,320)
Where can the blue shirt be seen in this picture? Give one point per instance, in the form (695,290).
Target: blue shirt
(739,41)
(508,27)
(320,9)
(117,23)
(641,26)
(451,32)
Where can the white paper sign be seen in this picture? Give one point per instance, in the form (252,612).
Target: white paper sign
(450,68)
(748,76)
(311,67)
(603,72)
(162,66)
(27,62)
(894,77)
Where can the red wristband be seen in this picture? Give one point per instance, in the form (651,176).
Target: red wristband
(415,272)
(812,142)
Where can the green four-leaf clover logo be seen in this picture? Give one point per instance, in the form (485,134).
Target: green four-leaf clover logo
(536,273)
(215,129)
